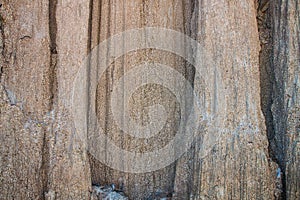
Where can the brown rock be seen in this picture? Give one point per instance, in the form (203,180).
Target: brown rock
(247,61)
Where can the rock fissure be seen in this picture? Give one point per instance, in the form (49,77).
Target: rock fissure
(53,52)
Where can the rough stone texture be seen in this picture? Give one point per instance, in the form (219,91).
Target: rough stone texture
(40,157)
(232,72)
(68,175)
(238,167)
(21,158)
(279,62)
(25,97)
(286,100)
(43,43)
(265,23)
(115,18)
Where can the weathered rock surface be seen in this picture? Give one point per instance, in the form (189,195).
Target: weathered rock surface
(25,98)
(238,167)
(248,89)
(286,99)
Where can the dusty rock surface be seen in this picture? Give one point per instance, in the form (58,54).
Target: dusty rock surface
(248,90)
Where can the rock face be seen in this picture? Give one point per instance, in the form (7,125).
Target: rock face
(39,156)
(246,136)
(286,102)
(279,64)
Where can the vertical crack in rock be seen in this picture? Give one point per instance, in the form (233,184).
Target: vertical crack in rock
(285,61)
(107,85)
(89,42)
(190,28)
(266,71)
(1,43)
(265,22)
(53,49)
(279,112)
(45,164)
(52,91)
(89,48)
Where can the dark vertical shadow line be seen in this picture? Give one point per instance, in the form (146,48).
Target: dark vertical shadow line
(96,16)
(190,28)
(89,49)
(97,48)
(107,90)
(298,27)
(143,15)
(52,28)
(268,82)
(90,28)
(98,35)
(282,21)
(53,52)
(2,36)
(279,19)
(267,78)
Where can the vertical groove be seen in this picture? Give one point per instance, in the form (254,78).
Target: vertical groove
(53,52)
(280,62)
(89,49)
(89,42)
(280,114)
(2,47)
(45,166)
(107,86)
(190,14)
(270,19)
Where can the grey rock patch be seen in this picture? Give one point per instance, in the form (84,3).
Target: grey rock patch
(106,193)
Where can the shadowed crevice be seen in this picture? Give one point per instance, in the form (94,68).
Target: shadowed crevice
(270,87)
(53,52)
(45,166)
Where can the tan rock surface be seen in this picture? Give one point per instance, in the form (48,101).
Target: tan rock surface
(248,89)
